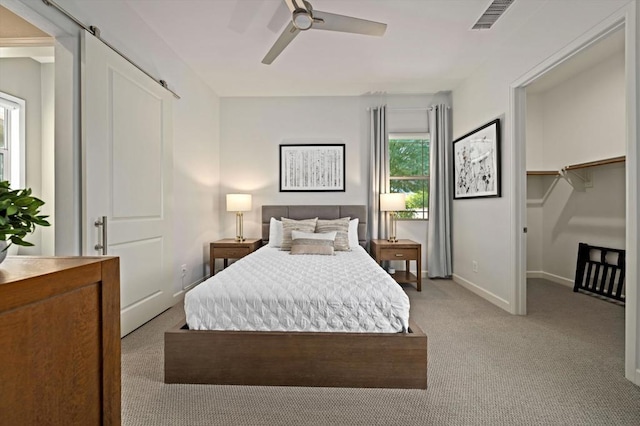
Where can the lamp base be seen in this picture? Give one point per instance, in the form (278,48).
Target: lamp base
(239,231)
(392,238)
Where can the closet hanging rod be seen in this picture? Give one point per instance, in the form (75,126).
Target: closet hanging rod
(620,159)
(96,33)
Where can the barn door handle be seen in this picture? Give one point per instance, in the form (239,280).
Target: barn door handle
(102,245)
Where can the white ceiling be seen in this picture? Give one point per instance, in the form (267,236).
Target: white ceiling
(428,45)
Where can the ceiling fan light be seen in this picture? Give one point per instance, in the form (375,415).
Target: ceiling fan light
(302,20)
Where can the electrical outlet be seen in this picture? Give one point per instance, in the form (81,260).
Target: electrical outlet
(184,270)
(474,265)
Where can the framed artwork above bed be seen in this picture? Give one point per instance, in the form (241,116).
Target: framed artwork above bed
(312,168)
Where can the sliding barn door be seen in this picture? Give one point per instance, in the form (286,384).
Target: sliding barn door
(127,177)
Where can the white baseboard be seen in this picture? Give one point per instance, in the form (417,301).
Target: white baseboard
(535,274)
(179,296)
(496,300)
(551,277)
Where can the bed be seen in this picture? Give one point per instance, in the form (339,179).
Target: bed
(349,357)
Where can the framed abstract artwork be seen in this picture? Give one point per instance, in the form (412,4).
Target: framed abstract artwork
(312,167)
(476,163)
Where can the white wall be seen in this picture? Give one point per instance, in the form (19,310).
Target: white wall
(484,228)
(195,132)
(581,119)
(196,168)
(595,216)
(584,117)
(195,127)
(253,128)
(48,156)
(535,133)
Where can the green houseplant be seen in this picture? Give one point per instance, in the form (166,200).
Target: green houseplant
(18,216)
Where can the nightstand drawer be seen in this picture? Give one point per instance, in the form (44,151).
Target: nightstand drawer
(228,248)
(397,254)
(231,252)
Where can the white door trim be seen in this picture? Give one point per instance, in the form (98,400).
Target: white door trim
(626,17)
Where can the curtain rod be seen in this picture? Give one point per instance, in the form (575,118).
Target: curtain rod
(410,109)
(95,31)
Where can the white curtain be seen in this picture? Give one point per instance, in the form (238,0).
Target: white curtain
(379,176)
(440,175)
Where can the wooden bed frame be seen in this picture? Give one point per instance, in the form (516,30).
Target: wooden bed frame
(363,360)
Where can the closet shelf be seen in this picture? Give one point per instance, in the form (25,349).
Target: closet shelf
(542,173)
(613,160)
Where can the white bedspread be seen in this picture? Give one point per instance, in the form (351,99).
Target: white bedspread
(271,290)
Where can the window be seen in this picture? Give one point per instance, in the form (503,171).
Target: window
(409,172)
(12,139)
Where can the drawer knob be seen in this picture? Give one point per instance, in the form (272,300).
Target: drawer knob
(399,254)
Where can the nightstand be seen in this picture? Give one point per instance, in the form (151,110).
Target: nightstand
(229,248)
(406,250)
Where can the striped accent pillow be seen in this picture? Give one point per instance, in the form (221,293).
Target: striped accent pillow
(288,225)
(310,243)
(341,226)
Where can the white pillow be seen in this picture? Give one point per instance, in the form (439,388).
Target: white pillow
(275,233)
(296,235)
(353,233)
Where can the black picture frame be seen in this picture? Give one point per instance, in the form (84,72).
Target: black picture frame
(312,168)
(477,169)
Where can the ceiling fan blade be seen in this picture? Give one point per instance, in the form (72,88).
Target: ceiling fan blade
(347,24)
(294,5)
(289,33)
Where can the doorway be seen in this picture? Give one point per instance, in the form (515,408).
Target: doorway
(575,146)
(623,21)
(27,106)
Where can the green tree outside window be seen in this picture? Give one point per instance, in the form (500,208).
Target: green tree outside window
(409,172)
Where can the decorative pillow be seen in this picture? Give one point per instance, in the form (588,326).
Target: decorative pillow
(341,226)
(353,233)
(288,225)
(296,235)
(275,233)
(322,246)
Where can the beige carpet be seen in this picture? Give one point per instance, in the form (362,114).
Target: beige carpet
(563,364)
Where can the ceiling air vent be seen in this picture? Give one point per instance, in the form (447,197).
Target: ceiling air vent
(491,15)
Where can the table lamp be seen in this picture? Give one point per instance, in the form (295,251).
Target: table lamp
(392,202)
(239,203)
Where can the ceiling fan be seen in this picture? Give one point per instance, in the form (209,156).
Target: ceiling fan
(303,18)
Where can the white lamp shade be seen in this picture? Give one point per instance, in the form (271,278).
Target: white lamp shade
(392,202)
(238,202)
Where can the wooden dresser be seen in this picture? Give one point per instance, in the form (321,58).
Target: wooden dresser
(60,341)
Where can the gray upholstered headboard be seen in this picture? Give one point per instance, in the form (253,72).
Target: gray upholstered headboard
(321,212)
